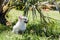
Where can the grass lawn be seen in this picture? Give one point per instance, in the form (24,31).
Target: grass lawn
(12,16)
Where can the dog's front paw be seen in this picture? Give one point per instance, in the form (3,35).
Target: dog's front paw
(16,32)
(12,31)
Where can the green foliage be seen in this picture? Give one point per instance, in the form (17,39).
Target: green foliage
(3,28)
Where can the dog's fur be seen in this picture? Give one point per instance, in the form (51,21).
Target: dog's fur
(20,25)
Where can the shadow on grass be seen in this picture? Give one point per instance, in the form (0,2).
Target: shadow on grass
(4,28)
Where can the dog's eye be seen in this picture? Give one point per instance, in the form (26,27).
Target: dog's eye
(24,19)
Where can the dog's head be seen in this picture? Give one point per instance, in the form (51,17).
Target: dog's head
(23,19)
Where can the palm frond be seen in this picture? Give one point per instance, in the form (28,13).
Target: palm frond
(34,12)
(26,9)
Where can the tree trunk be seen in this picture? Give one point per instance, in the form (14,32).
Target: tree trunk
(2,14)
(1,2)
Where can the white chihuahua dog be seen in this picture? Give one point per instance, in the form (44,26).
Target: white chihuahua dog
(20,25)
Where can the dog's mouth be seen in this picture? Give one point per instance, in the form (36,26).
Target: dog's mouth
(25,21)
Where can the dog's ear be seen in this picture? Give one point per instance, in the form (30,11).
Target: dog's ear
(20,17)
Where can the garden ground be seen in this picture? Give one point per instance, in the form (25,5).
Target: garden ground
(6,34)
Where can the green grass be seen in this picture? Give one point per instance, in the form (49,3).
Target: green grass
(12,16)
(52,14)
(8,35)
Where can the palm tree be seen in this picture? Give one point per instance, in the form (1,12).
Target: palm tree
(27,3)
